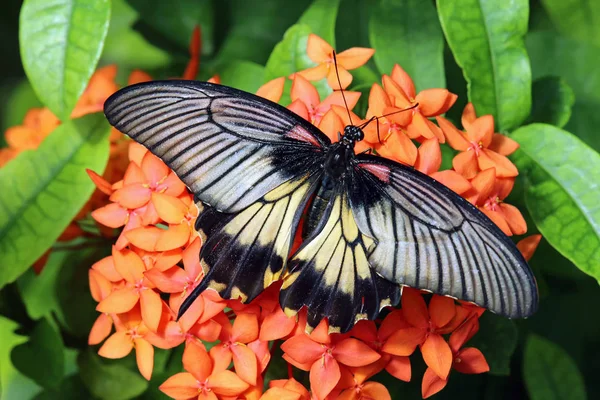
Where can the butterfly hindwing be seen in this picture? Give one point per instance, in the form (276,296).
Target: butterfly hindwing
(428,237)
(244,252)
(229,147)
(330,273)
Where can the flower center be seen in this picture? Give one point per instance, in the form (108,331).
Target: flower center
(476,147)
(493,203)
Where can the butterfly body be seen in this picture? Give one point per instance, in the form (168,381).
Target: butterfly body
(372,225)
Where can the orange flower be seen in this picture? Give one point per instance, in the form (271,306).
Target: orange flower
(429,160)
(490,192)
(397,366)
(465,360)
(307,103)
(234,341)
(480,148)
(131,333)
(528,245)
(428,103)
(354,387)
(272,90)
(322,354)
(136,289)
(100,288)
(286,389)
(321,52)
(207,378)
(426,327)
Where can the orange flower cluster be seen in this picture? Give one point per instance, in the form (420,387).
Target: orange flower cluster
(228,345)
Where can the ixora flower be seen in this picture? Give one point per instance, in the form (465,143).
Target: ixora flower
(155,260)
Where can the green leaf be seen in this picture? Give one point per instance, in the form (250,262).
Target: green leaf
(352,25)
(42,357)
(255,26)
(244,75)
(13,384)
(320,16)
(550,373)
(48,187)
(126,47)
(561,191)
(61,42)
(71,388)
(76,309)
(552,101)
(486,38)
(552,55)
(579,19)
(290,56)
(114,382)
(497,340)
(39,292)
(407,32)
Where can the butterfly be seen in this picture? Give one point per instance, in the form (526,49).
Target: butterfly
(372,225)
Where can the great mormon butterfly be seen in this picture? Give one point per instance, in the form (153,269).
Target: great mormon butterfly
(373,226)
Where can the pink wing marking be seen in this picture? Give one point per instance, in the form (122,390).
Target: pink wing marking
(299,133)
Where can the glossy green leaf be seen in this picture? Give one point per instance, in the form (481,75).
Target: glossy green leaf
(553,55)
(114,381)
(550,373)
(61,42)
(290,56)
(579,19)
(561,191)
(42,358)
(487,40)
(13,384)
(128,48)
(47,188)
(244,75)
(321,16)
(255,26)
(352,25)
(407,32)
(497,340)
(552,101)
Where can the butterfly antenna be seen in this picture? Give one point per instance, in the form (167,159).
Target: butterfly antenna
(337,74)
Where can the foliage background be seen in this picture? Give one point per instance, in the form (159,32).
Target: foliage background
(44,321)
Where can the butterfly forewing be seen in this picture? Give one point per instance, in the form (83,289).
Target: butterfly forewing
(229,147)
(430,238)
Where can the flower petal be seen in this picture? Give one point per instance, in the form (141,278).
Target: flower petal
(403,80)
(299,108)
(144,237)
(354,353)
(180,386)
(170,281)
(278,393)
(276,325)
(118,345)
(399,367)
(470,361)
(196,361)
(468,116)
(302,349)
(324,375)
(375,390)
(514,218)
(129,265)
(272,90)
(441,310)
(503,145)
(318,49)
(245,328)
(354,57)
(106,267)
(400,148)
(433,102)
(455,138)
(144,356)
(170,209)
(345,78)
(151,305)
(528,245)
(174,237)
(437,355)
(490,159)
(100,287)
(315,73)
(465,163)
(414,308)
(429,156)
(100,330)
(331,125)
(101,183)
(452,180)
(404,341)
(432,383)
(304,91)
(112,215)
(119,301)
(227,383)
(132,196)
(498,219)
(245,363)
(392,323)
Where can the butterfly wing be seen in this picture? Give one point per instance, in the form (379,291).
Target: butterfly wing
(330,273)
(229,147)
(428,237)
(251,164)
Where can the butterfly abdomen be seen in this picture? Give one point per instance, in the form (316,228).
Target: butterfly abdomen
(317,207)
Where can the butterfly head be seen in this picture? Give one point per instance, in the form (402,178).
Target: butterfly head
(353,134)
